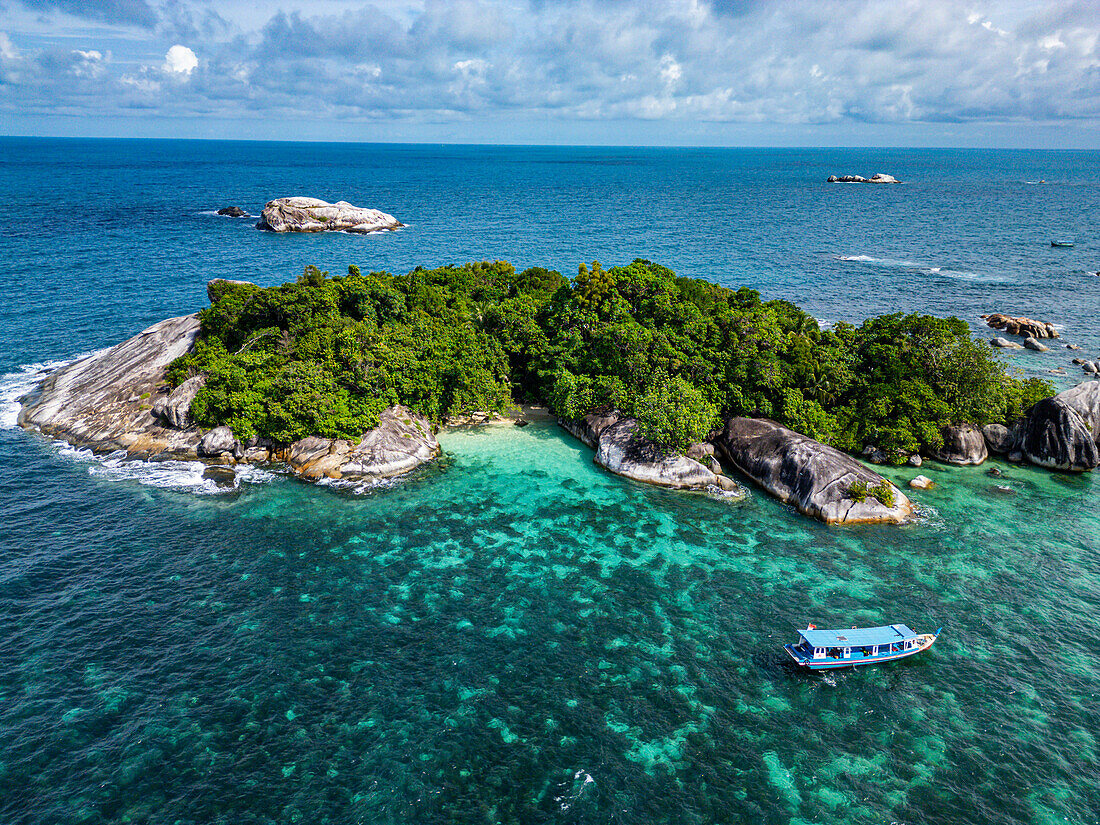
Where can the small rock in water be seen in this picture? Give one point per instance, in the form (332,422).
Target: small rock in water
(1072,346)
(996,472)
(1004,490)
(1089,366)
(519,422)
(1004,343)
(915,460)
(1078,361)
(922,483)
(1033,344)
(233,212)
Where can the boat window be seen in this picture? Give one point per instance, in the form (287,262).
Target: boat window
(847,653)
(819,653)
(874,650)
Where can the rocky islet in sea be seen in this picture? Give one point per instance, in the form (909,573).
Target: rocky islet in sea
(119,400)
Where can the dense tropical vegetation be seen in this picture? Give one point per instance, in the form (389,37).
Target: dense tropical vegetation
(326,355)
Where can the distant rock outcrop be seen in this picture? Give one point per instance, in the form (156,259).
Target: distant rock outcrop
(962,444)
(302,214)
(1021,326)
(233,212)
(877,178)
(816,478)
(1061,432)
(620,449)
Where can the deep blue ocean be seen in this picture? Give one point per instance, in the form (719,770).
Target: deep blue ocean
(513,635)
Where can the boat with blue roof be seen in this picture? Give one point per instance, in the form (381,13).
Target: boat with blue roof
(825,649)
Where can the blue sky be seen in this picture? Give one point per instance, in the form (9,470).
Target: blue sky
(681,72)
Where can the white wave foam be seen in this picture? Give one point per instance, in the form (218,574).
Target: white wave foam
(14,385)
(182,476)
(358,486)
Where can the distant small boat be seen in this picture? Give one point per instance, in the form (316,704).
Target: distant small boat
(1061,243)
(825,649)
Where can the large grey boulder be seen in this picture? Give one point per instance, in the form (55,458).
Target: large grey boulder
(300,214)
(998,438)
(962,444)
(1061,432)
(218,442)
(174,409)
(402,441)
(622,450)
(103,401)
(626,453)
(814,477)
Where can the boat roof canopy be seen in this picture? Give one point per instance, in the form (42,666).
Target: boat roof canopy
(859,636)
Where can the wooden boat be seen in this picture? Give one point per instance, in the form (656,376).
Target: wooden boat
(1061,243)
(825,649)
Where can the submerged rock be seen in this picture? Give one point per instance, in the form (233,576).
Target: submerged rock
(104,401)
(300,214)
(622,450)
(962,444)
(1061,432)
(814,477)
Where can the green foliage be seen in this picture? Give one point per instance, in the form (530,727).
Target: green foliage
(883,491)
(325,355)
(859,491)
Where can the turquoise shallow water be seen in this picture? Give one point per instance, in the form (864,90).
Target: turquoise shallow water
(512,635)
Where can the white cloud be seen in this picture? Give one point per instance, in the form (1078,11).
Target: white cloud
(180,60)
(728,61)
(7,50)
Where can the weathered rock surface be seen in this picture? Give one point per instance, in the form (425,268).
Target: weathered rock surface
(998,438)
(962,444)
(814,477)
(174,409)
(1061,432)
(620,449)
(302,214)
(921,483)
(104,401)
(233,212)
(1005,343)
(876,178)
(1021,326)
(219,441)
(1033,344)
(402,441)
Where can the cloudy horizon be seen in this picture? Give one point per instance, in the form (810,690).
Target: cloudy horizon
(687,72)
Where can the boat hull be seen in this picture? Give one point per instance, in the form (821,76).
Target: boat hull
(925,641)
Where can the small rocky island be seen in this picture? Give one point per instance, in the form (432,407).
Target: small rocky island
(876,178)
(350,377)
(301,214)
